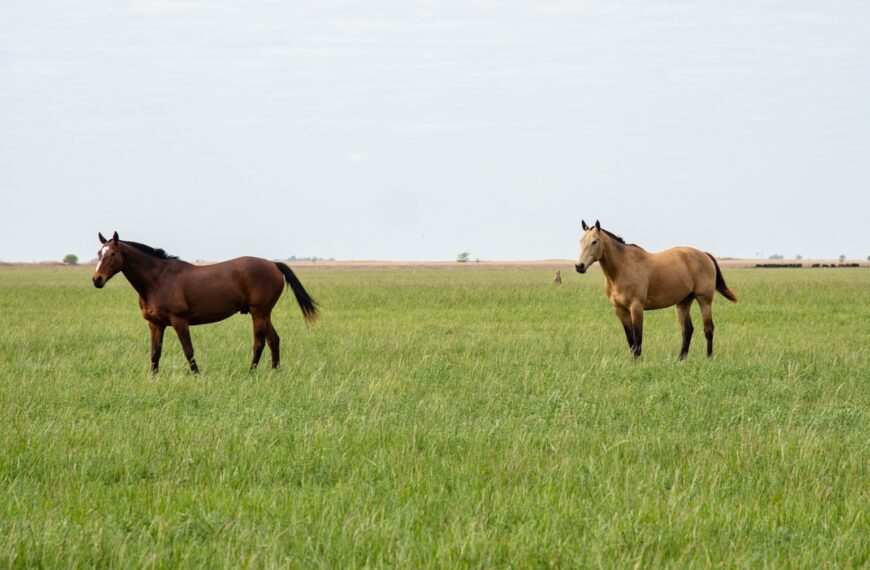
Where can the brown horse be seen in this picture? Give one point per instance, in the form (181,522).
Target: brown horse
(178,294)
(638,281)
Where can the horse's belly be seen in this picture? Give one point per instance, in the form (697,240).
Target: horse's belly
(210,302)
(211,310)
(206,317)
(666,298)
(658,304)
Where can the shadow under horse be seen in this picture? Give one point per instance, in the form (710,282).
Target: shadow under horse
(175,293)
(638,281)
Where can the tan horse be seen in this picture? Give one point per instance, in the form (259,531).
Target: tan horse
(638,281)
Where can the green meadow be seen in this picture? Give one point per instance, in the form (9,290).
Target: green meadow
(438,418)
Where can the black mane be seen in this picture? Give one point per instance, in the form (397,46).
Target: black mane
(156,253)
(619,239)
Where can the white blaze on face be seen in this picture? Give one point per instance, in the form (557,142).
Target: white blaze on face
(102,256)
(589,249)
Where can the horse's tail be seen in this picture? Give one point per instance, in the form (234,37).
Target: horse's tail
(306,303)
(720,283)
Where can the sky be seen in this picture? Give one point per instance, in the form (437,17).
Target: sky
(405,130)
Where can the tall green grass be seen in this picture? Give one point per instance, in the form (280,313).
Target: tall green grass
(438,419)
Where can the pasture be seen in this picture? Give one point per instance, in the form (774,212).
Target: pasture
(436,418)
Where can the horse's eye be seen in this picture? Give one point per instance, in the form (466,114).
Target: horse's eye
(594,241)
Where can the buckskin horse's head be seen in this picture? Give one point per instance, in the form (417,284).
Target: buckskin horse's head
(110,260)
(590,247)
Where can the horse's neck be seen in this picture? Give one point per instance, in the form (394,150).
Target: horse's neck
(141,270)
(613,260)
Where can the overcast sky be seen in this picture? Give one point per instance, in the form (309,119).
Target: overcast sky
(416,130)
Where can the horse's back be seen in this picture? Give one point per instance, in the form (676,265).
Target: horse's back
(240,284)
(256,276)
(677,273)
(255,267)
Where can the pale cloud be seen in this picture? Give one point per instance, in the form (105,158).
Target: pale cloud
(358,157)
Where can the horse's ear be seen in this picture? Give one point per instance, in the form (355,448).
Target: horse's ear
(597,226)
(582,222)
(115,238)
(102,239)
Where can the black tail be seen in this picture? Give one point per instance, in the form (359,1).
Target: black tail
(720,283)
(306,303)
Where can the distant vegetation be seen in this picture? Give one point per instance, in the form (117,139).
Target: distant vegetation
(463,257)
(312,258)
(71,259)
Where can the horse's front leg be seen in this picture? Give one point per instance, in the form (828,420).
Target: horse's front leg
(183,331)
(625,318)
(637,327)
(156,345)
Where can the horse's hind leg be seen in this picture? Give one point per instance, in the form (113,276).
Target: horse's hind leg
(684,316)
(707,314)
(261,327)
(274,341)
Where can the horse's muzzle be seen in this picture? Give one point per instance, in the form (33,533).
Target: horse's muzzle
(99,282)
(580,267)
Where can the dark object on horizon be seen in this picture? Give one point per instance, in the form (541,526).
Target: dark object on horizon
(557,280)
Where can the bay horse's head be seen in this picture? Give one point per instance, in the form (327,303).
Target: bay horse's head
(590,247)
(110,260)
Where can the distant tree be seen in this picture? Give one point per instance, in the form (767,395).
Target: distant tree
(798,257)
(71,259)
(775,256)
(463,257)
(842,258)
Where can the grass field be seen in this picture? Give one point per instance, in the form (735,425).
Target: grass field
(437,419)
